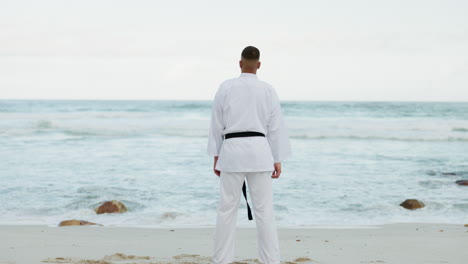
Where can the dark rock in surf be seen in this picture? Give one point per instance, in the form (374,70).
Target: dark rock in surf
(412,204)
(449,173)
(76,222)
(462,182)
(113,206)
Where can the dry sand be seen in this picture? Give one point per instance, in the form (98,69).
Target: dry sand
(395,243)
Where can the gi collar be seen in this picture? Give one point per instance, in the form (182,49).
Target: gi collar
(246,74)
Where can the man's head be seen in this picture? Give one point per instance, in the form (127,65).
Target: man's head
(249,62)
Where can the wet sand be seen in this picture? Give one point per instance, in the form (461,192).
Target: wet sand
(403,243)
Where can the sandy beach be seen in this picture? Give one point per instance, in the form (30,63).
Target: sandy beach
(401,243)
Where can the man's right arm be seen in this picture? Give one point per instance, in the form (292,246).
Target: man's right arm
(277,134)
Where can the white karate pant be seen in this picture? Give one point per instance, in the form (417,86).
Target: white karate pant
(261,194)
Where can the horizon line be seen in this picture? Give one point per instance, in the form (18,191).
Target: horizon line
(283,100)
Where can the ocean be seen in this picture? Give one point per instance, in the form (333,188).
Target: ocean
(353,163)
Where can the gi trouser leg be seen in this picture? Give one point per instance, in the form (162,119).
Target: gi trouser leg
(261,193)
(260,190)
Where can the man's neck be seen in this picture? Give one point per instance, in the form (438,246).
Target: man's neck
(249,71)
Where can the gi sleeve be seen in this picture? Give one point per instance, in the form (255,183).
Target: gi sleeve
(277,133)
(215,136)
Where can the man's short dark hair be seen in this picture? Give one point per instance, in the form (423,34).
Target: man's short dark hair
(251,53)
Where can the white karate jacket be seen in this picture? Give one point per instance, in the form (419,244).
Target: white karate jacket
(247,104)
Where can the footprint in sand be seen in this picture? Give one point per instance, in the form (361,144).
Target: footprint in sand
(59,260)
(120,256)
(303,259)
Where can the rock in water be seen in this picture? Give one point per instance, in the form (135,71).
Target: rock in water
(113,206)
(412,204)
(76,222)
(462,182)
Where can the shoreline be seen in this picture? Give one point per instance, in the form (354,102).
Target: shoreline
(250,224)
(398,243)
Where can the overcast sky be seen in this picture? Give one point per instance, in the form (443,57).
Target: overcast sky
(406,50)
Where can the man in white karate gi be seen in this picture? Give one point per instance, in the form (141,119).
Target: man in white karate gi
(248,139)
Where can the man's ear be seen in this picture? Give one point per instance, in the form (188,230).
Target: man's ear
(240,64)
(258,65)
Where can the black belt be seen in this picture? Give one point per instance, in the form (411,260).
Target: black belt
(249,213)
(245,134)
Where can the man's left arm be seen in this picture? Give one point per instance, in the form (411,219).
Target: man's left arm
(217,172)
(215,138)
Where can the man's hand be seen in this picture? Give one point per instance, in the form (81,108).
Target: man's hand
(217,172)
(276,173)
